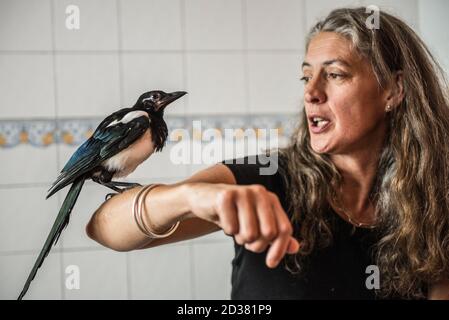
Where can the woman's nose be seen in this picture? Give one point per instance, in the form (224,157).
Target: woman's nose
(314,93)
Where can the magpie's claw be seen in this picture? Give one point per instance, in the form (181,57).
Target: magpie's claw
(125,184)
(109,196)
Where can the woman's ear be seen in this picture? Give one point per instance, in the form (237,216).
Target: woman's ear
(396,93)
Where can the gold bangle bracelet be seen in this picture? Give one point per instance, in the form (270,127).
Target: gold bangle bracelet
(138,212)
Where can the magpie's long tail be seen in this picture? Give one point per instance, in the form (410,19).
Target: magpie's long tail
(60,223)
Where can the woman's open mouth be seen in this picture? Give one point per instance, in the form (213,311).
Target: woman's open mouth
(318,124)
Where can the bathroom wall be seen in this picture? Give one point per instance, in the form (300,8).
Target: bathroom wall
(238,59)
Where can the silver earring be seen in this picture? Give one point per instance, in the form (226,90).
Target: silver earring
(388,108)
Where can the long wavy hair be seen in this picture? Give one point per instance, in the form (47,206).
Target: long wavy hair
(410,192)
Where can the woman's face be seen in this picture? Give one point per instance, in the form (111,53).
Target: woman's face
(344,104)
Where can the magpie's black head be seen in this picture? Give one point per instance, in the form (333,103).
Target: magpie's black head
(156,101)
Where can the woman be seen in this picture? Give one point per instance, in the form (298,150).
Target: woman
(363,185)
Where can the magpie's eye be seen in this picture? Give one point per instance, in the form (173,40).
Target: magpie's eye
(155,96)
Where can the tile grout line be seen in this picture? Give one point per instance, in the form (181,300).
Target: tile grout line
(184,63)
(183,17)
(98,248)
(54,251)
(140,51)
(246,67)
(101,248)
(88,183)
(120,53)
(56,106)
(24,185)
(192,271)
(184,52)
(122,102)
(304,18)
(418,17)
(245,44)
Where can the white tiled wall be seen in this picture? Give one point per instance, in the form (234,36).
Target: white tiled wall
(237,57)
(275,25)
(151,24)
(14,269)
(273,82)
(212,282)
(225,17)
(28,164)
(88,84)
(406,9)
(24,217)
(216,83)
(27,88)
(317,9)
(25,25)
(103,274)
(162,273)
(99,25)
(435,34)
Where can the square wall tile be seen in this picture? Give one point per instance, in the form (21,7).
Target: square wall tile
(25,225)
(25,25)
(214,24)
(102,274)
(161,273)
(274,85)
(216,83)
(14,270)
(17,168)
(405,9)
(213,270)
(26,86)
(433,25)
(151,24)
(319,9)
(97,25)
(153,71)
(88,85)
(275,24)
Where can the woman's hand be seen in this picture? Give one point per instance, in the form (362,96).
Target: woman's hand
(252,214)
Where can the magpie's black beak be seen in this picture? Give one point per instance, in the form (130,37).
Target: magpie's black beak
(170,98)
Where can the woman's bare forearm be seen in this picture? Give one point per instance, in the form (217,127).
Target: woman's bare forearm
(208,201)
(113,225)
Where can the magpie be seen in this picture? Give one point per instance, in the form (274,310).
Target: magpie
(120,143)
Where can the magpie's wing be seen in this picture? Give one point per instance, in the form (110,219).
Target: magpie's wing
(89,148)
(105,142)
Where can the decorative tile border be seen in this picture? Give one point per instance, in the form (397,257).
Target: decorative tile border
(45,132)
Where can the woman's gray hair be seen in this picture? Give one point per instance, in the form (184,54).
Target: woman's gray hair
(411,189)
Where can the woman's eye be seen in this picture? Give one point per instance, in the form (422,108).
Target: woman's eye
(333,75)
(305,79)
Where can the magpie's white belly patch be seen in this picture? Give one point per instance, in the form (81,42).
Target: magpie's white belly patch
(126,161)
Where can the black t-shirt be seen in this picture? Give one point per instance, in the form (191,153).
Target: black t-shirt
(336,272)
